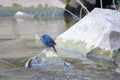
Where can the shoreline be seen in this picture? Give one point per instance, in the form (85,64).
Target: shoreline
(10,11)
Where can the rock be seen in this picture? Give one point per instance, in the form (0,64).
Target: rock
(45,59)
(117,70)
(19,13)
(22,14)
(99,29)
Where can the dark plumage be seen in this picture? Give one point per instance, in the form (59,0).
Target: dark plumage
(49,42)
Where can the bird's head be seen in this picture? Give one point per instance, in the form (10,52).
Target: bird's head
(45,35)
(39,38)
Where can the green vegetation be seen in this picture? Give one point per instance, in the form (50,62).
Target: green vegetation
(118,6)
(71,48)
(117,1)
(65,1)
(13,62)
(39,6)
(16,7)
(101,53)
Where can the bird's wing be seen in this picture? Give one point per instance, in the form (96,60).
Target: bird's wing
(50,40)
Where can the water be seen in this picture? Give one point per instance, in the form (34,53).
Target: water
(17,44)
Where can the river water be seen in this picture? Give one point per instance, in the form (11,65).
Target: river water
(17,43)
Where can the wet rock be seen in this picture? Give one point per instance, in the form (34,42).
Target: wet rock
(45,59)
(117,70)
(116,60)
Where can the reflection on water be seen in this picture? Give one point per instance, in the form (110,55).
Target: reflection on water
(26,28)
(16,34)
(16,42)
(17,30)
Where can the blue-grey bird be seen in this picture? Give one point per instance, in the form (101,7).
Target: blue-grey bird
(49,42)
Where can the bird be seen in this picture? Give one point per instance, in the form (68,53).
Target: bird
(48,42)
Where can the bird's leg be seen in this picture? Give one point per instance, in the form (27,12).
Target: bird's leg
(54,48)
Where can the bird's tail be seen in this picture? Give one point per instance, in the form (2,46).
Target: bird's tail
(54,48)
